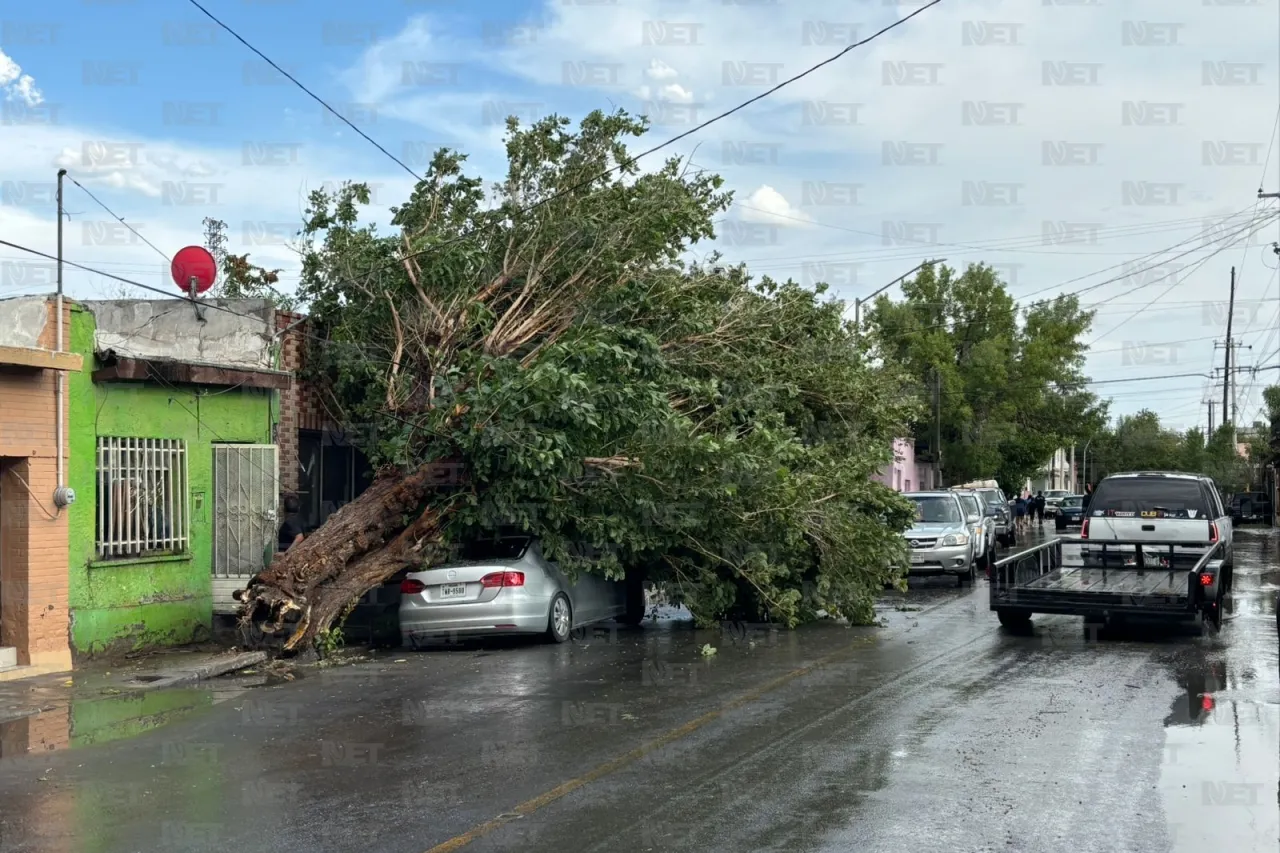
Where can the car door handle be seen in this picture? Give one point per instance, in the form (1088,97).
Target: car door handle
(1150,528)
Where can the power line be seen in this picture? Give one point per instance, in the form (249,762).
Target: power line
(312,94)
(900,253)
(118,217)
(946,324)
(630,161)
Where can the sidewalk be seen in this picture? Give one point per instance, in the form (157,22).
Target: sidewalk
(109,700)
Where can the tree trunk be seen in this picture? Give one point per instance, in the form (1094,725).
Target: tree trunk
(385,529)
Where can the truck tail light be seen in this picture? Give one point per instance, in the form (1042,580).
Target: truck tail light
(1213,532)
(1206,579)
(1084,529)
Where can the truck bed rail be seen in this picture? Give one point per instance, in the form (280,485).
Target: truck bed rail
(1095,576)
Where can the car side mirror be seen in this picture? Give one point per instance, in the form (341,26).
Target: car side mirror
(974,519)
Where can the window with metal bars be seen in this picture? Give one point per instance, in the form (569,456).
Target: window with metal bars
(143,500)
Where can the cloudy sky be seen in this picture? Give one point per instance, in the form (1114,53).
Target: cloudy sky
(1109,148)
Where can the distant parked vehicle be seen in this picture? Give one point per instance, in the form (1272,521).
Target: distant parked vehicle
(1053,499)
(940,541)
(1251,507)
(983,530)
(1070,513)
(995,508)
(507,586)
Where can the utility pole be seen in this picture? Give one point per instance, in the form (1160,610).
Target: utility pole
(1231,307)
(1210,434)
(937,426)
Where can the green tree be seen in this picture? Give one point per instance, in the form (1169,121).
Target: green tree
(1009,382)
(633,411)
(238,277)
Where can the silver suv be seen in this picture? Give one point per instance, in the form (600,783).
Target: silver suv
(940,541)
(982,526)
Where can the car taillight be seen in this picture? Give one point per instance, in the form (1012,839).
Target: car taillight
(409,586)
(501,579)
(1084,529)
(1213,532)
(1206,579)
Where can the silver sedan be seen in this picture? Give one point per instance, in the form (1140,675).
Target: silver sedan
(507,586)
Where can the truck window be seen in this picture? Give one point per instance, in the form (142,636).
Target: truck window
(1144,494)
(971,506)
(937,510)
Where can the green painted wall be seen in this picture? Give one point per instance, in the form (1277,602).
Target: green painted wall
(133,604)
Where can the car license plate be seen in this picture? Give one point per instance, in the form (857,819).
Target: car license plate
(453,590)
(917,559)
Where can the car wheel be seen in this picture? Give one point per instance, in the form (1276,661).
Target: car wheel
(560,619)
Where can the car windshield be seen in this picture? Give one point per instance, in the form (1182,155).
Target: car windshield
(505,548)
(1075,501)
(1145,494)
(971,505)
(937,510)
(991,496)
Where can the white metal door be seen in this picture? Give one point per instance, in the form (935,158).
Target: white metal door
(246,489)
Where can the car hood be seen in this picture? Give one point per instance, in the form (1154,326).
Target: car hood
(928,531)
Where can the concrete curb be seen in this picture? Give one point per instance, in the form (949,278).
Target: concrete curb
(212,669)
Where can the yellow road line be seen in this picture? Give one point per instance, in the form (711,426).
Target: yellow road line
(528,807)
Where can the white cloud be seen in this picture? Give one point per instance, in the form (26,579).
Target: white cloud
(767,206)
(659,70)
(16,85)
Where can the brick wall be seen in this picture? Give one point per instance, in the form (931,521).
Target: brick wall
(301,406)
(33,532)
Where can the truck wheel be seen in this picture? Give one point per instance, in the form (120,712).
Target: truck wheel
(1014,620)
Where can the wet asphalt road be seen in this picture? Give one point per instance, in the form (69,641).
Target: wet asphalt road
(938,732)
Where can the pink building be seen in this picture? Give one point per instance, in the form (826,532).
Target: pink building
(901,474)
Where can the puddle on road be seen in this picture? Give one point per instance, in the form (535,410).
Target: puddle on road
(1220,774)
(116,714)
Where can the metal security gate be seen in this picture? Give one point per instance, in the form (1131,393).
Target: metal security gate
(246,488)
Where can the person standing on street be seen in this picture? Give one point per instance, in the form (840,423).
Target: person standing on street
(1020,513)
(1039,505)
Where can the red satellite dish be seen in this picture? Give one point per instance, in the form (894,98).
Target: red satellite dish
(194,262)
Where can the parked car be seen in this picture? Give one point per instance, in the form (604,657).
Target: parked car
(507,586)
(1250,506)
(982,530)
(996,507)
(1053,499)
(1070,513)
(939,539)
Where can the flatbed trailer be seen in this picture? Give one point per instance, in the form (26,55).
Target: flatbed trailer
(1102,580)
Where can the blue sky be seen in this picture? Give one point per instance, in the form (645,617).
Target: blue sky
(957,135)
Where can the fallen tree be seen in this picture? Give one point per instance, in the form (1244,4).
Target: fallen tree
(553,354)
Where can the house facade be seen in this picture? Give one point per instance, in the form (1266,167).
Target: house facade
(174,465)
(1058,473)
(34,453)
(904,473)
